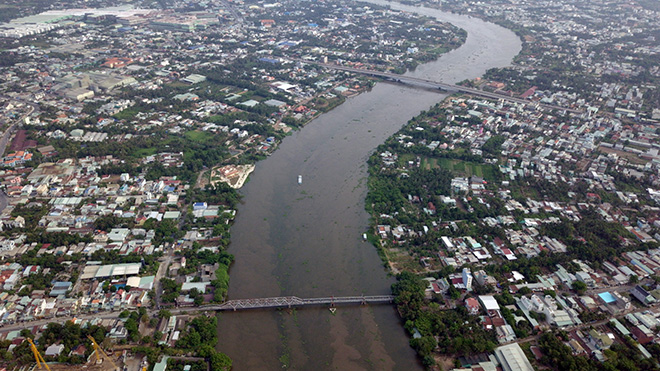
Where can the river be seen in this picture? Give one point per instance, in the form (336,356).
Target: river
(305,240)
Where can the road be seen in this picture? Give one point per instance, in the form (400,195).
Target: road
(4,141)
(165,263)
(162,270)
(620,288)
(234,13)
(215,307)
(227,306)
(4,201)
(42,322)
(7,135)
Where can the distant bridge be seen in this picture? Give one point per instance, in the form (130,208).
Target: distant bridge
(295,302)
(430,84)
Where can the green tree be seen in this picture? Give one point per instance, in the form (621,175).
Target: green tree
(164,313)
(424,345)
(220,362)
(579,287)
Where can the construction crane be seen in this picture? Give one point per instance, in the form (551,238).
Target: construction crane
(97,350)
(37,355)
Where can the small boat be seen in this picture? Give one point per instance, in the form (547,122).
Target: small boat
(299,179)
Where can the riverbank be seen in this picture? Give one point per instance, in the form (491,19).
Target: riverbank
(306,240)
(233,175)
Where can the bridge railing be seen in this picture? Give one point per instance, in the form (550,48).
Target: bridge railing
(294,301)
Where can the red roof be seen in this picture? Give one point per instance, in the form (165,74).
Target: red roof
(537,352)
(528,93)
(471,302)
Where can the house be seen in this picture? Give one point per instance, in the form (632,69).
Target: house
(472,306)
(642,334)
(489,303)
(60,288)
(116,62)
(600,340)
(54,350)
(194,79)
(200,206)
(118,234)
(642,295)
(79,351)
(200,286)
(17,158)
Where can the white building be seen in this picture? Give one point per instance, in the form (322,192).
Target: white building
(467,278)
(512,358)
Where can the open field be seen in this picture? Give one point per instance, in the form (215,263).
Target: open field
(460,167)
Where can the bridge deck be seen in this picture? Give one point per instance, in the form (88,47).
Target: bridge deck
(294,301)
(451,88)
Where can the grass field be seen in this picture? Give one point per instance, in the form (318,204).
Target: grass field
(178,85)
(144,152)
(461,168)
(198,136)
(632,157)
(127,114)
(457,167)
(148,151)
(525,192)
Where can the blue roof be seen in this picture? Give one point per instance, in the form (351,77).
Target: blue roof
(269,60)
(60,288)
(607,297)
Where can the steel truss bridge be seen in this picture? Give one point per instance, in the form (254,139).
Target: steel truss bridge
(296,302)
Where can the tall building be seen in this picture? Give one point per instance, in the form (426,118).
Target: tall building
(467,278)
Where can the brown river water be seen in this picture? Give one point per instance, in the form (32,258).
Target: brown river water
(305,240)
